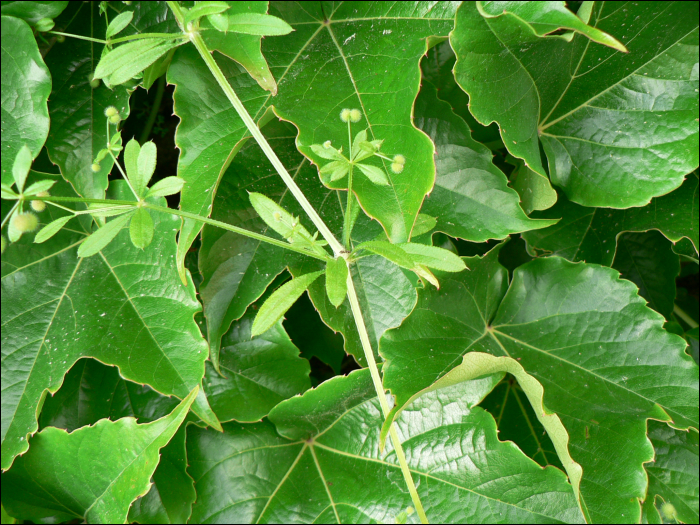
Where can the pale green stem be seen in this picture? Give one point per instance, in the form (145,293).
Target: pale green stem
(122,171)
(196,39)
(164,36)
(7,217)
(79,37)
(235,229)
(681,313)
(62,207)
(348,212)
(381,394)
(325,232)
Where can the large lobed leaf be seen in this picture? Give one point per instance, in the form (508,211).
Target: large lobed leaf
(26,85)
(604,360)
(330,62)
(92,391)
(471,198)
(93,473)
(590,234)
(618,128)
(123,306)
(317,459)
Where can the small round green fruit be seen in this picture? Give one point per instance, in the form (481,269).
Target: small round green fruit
(25,222)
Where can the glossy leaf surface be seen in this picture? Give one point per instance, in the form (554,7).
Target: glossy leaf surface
(325,448)
(335,57)
(120,306)
(32,12)
(596,111)
(256,372)
(26,85)
(78,123)
(237,269)
(569,326)
(93,473)
(673,475)
(590,234)
(471,197)
(92,391)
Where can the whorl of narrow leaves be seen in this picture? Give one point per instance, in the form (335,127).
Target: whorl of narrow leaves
(280,301)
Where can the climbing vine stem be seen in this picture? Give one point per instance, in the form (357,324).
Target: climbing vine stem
(337,248)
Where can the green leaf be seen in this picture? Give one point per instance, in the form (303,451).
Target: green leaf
(336,281)
(131,312)
(21,167)
(323,444)
(546,17)
(103,236)
(78,123)
(132,150)
(165,187)
(39,186)
(119,23)
(608,141)
(51,229)
(26,85)
(8,193)
(146,166)
(393,252)
(204,9)
(280,301)
(673,475)
(257,373)
(648,261)
(434,257)
(471,198)
(237,269)
(329,153)
(476,365)
(258,24)
(141,228)
(276,217)
(6,518)
(373,173)
(335,170)
(204,111)
(32,12)
(99,469)
(92,391)
(590,234)
(536,192)
(325,63)
(582,333)
(128,60)
(424,224)
(244,49)
(386,297)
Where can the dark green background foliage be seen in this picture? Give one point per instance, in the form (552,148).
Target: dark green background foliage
(553,146)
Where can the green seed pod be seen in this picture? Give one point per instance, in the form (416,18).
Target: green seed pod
(396,167)
(39,206)
(355,115)
(25,222)
(45,24)
(3,244)
(399,159)
(668,511)
(60,39)
(115,119)
(111,111)
(327,144)
(94,82)
(345,115)
(95,167)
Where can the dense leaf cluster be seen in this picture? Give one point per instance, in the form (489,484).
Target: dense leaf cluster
(497,202)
